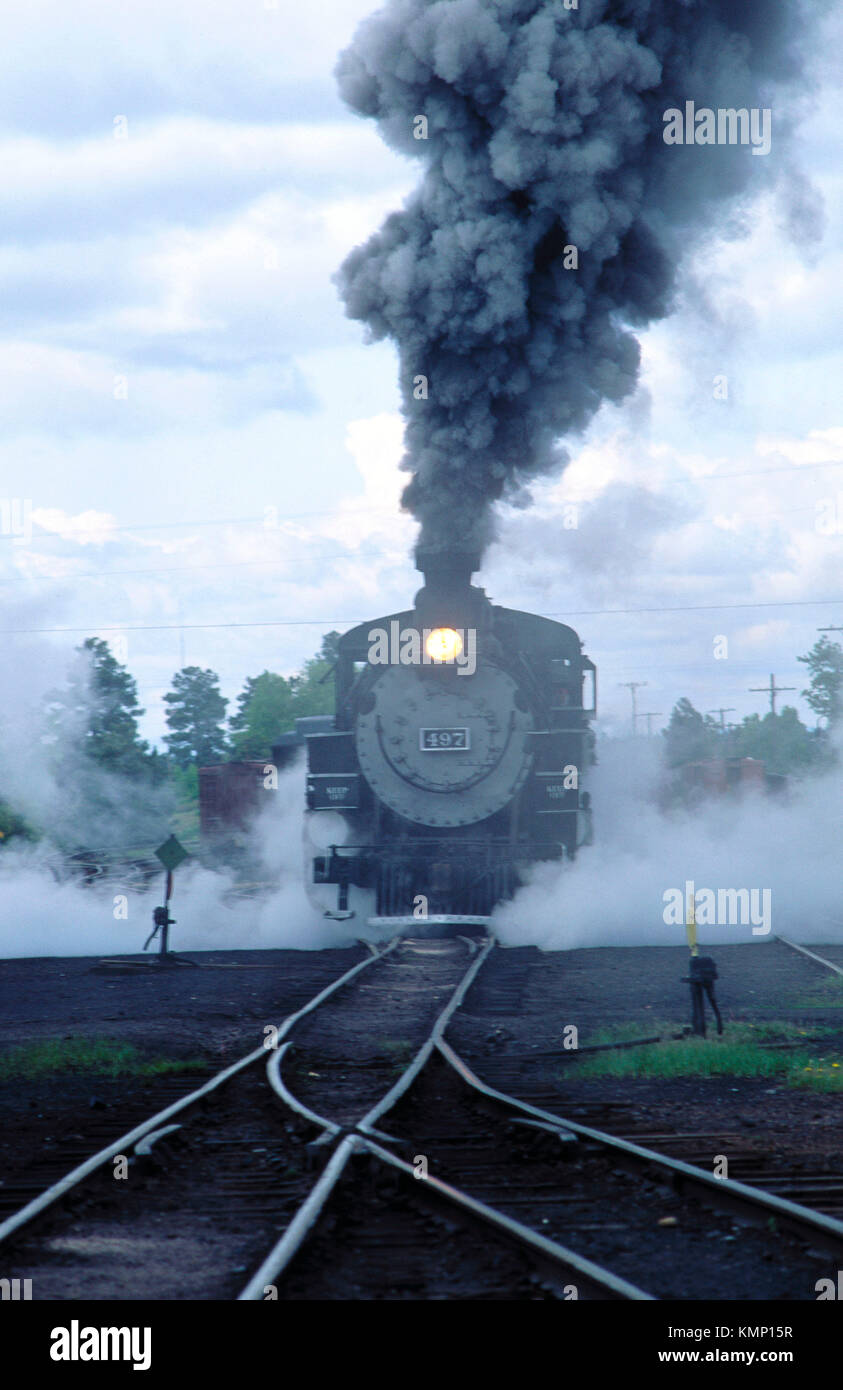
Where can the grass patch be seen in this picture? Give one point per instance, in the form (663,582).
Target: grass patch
(689,1057)
(97,1056)
(739,1052)
(827,994)
(766,1031)
(399,1049)
(628,1032)
(817,1074)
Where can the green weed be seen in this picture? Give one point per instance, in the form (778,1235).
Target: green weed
(98,1056)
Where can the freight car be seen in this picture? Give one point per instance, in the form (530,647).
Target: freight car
(456,757)
(725,777)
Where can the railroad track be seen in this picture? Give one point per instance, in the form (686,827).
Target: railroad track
(809,1185)
(510,1254)
(240,1164)
(342,1240)
(542,1204)
(216,1156)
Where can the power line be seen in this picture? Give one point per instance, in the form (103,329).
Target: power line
(261,521)
(330,622)
(763,472)
(383,511)
(175,627)
(176,569)
(692,608)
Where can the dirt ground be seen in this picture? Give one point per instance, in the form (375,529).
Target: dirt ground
(512,1023)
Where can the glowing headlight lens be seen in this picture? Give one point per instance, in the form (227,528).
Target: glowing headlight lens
(443,644)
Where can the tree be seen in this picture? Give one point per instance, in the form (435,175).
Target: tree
(97,712)
(825,692)
(689,737)
(313,692)
(195,714)
(265,709)
(186,783)
(780,741)
(112,788)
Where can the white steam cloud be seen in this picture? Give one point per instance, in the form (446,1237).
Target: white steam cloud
(45,907)
(42,916)
(613,894)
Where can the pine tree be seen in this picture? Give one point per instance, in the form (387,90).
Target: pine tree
(97,712)
(113,791)
(195,714)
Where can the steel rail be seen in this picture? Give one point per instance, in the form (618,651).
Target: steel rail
(825,1231)
(305,1218)
(812,955)
(127,1141)
(278,1259)
(418,1063)
(594,1274)
(276,1081)
(279,1086)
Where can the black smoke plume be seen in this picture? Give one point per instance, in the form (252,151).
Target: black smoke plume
(544,131)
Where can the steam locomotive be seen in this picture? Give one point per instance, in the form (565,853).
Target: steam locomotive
(456,757)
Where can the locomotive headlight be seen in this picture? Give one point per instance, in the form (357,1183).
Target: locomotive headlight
(443,644)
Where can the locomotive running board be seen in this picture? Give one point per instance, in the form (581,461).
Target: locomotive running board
(433,919)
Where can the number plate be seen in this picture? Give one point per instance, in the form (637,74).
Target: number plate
(444,740)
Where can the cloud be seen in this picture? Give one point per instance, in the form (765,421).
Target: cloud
(195,260)
(69,71)
(55,391)
(181,172)
(87,528)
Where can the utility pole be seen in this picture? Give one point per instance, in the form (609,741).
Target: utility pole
(650,714)
(772,690)
(730,709)
(830,629)
(632,686)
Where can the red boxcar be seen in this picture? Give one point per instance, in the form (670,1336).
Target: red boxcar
(230,796)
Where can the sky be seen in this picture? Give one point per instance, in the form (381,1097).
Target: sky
(199,452)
